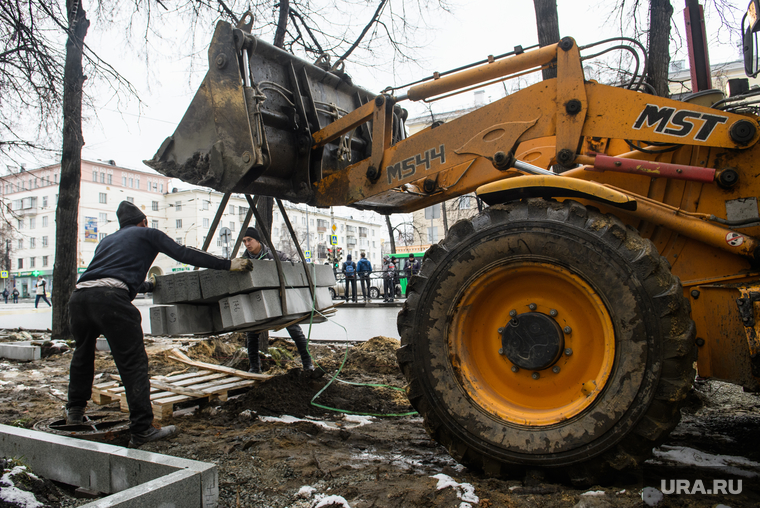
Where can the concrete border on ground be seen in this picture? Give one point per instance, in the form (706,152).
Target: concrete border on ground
(133,478)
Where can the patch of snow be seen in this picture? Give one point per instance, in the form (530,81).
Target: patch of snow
(622,492)
(12,494)
(4,382)
(459,468)
(321,423)
(305,492)
(513,487)
(360,419)
(330,500)
(465,491)
(594,493)
(691,457)
(246,414)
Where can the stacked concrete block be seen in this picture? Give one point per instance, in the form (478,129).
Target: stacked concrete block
(213,301)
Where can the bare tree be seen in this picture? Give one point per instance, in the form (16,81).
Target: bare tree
(547,24)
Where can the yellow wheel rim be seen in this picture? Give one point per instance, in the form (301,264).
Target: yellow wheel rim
(487,376)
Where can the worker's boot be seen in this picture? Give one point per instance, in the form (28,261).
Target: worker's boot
(75,415)
(152,434)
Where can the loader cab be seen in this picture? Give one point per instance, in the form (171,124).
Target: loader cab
(750,28)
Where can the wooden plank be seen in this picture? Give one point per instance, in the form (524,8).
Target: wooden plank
(177,389)
(178,355)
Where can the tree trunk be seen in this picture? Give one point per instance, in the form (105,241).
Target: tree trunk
(282,24)
(67,211)
(445,218)
(660,13)
(265,208)
(547,24)
(390,233)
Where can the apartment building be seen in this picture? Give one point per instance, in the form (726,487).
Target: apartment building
(30,199)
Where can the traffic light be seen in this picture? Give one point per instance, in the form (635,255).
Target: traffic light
(330,256)
(338,254)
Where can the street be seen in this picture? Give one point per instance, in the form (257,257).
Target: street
(350,323)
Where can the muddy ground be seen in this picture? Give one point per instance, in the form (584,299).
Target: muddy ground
(267,461)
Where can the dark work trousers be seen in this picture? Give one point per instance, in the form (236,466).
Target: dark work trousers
(352,282)
(295,332)
(389,289)
(37,300)
(109,311)
(365,284)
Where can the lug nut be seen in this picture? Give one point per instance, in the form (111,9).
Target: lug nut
(500,330)
(532,306)
(567,330)
(695,293)
(553,313)
(535,375)
(512,313)
(501,351)
(555,369)
(515,368)
(568,352)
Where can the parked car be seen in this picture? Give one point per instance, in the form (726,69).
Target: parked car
(338,291)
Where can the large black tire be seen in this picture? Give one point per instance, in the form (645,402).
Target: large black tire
(651,369)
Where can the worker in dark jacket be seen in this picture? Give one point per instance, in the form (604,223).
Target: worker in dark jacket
(254,249)
(102,304)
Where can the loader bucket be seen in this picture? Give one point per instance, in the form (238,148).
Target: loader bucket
(249,127)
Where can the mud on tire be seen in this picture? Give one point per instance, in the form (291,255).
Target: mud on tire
(475,410)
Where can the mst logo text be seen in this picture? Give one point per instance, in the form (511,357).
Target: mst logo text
(678,122)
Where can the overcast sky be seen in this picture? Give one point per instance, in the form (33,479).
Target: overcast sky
(126,134)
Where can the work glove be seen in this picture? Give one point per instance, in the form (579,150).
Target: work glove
(153,281)
(241,265)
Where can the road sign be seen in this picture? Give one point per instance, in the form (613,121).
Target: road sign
(4,274)
(307,254)
(333,239)
(334,228)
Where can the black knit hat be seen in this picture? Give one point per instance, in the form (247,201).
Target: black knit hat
(128,214)
(253,233)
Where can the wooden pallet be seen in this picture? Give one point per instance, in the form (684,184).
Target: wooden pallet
(209,383)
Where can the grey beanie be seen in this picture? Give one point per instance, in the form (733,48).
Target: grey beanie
(128,214)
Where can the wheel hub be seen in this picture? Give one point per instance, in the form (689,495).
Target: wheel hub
(532,341)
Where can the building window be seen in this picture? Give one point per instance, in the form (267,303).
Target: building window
(102,178)
(131,200)
(204,205)
(178,240)
(55,177)
(21,223)
(178,223)
(44,260)
(219,242)
(44,221)
(132,183)
(44,241)
(205,223)
(433,212)
(32,222)
(232,226)
(178,206)
(155,187)
(21,243)
(137,183)
(154,206)
(432,233)
(31,262)
(44,201)
(124,181)
(20,263)
(103,217)
(154,224)
(94,176)
(102,198)
(109,179)
(32,243)
(161,188)
(101,236)
(232,209)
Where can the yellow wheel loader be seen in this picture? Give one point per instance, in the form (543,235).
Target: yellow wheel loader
(564,325)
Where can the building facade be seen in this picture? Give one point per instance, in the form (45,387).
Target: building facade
(30,199)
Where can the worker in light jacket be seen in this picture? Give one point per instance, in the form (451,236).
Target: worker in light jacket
(254,249)
(102,304)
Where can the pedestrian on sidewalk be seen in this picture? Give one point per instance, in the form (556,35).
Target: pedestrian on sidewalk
(349,272)
(389,279)
(102,304)
(365,269)
(254,249)
(6,294)
(15,294)
(41,284)
(412,268)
